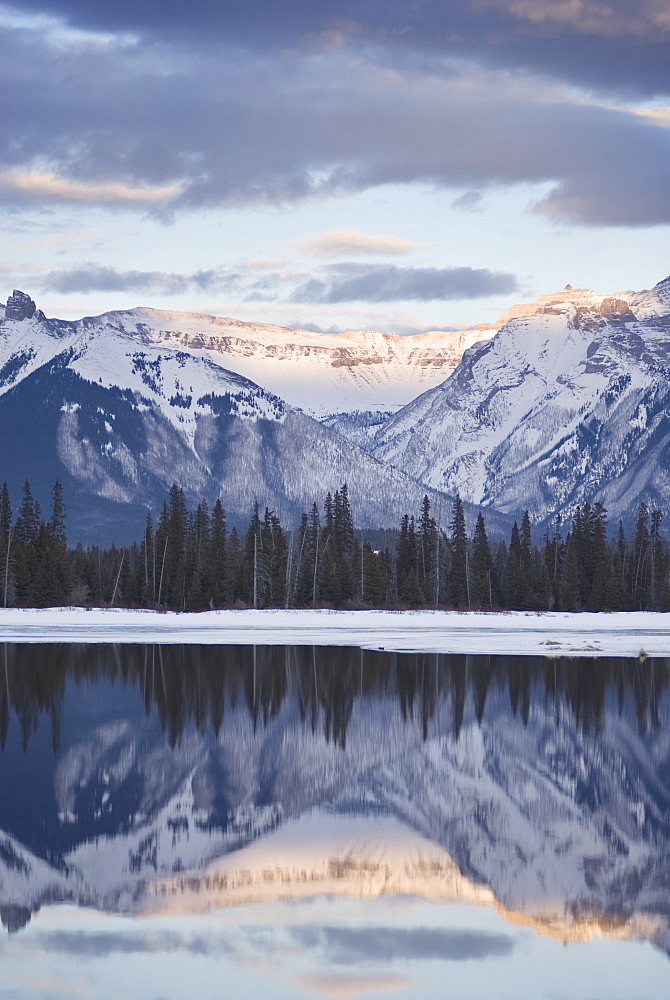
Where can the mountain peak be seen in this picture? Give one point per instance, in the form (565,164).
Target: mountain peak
(20,306)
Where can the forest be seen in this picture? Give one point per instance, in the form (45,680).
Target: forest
(188,560)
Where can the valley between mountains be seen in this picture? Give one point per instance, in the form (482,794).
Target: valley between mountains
(563,401)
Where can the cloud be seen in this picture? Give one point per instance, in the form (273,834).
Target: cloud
(58,241)
(337,283)
(340,986)
(178,125)
(339,242)
(347,945)
(387,283)
(617,44)
(94,278)
(599,18)
(34,185)
(469,201)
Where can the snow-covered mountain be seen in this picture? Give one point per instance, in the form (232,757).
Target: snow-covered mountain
(120,411)
(318,373)
(568,402)
(560,825)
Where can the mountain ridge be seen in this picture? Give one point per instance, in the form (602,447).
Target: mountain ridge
(566,404)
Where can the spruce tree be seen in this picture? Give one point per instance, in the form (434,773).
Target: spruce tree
(216,567)
(428,554)
(600,570)
(483,583)
(459,584)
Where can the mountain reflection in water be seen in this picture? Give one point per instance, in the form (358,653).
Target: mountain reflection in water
(153,778)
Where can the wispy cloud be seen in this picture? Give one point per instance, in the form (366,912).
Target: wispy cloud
(357,283)
(36,185)
(333,284)
(57,241)
(469,201)
(341,242)
(95,278)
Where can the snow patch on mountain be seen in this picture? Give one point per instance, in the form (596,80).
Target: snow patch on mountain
(319,373)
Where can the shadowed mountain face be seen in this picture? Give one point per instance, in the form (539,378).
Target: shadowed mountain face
(140,778)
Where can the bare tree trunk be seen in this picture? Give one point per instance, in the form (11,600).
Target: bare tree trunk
(255,575)
(316,565)
(9,545)
(118,577)
(160,583)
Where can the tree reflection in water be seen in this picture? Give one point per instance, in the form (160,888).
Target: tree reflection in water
(196,685)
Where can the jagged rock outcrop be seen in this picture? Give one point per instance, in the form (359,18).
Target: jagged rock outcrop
(20,306)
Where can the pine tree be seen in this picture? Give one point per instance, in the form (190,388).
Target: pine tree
(428,554)
(459,584)
(28,521)
(484,584)
(217,590)
(409,589)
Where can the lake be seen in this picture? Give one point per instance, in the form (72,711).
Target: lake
(332,822)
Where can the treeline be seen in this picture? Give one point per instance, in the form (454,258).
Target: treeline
(189,561)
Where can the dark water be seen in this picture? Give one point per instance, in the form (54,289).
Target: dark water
(185,782)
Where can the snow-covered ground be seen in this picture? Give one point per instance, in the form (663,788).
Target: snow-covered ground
(519,633)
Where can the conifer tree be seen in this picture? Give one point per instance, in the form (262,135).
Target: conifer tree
(28,521)
(428,553)
(409,589)
(218,590)
(484,585)
(599,573)
(459,583)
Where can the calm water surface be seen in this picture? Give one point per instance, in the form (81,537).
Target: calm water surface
(328,822)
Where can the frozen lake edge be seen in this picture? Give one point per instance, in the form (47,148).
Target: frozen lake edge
(508,633)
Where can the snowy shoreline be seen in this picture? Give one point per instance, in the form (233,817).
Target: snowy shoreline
(517,633)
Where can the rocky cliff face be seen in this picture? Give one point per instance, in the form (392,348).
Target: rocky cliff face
(19,306)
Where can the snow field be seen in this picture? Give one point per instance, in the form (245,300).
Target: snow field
(513,633)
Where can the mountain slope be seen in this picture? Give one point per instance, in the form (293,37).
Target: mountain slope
(567,403)
(120,420)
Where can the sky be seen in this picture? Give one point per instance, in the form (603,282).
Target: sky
(398,165)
